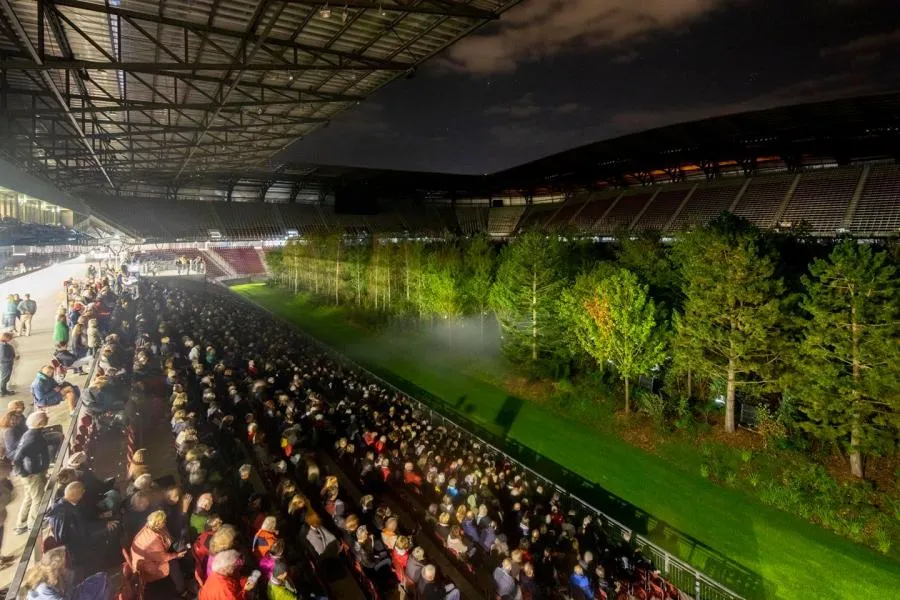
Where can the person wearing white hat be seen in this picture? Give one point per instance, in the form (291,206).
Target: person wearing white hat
(31,462)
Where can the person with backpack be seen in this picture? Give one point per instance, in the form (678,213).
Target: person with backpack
(31,462)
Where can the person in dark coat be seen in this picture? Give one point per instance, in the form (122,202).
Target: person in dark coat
(7,359)
(31,461)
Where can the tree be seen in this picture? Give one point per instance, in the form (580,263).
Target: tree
(646,256)
(530,278)
(848,383)
(442,285)
(729,323)
(479,265)
(616,321)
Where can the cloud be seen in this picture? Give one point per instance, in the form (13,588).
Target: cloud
(569,108)
(538,29)
(865,45)
(523,108)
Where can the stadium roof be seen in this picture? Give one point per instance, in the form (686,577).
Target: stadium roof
(102,93)
(837,131)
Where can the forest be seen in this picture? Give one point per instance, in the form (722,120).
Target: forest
(682,333)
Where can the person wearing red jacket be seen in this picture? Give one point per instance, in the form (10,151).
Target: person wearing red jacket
(225,582)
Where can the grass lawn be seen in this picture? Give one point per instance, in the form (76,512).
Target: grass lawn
(755,550)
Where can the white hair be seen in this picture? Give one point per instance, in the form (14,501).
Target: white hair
(429,572)
(226,562)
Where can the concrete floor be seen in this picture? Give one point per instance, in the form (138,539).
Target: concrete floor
(45,287)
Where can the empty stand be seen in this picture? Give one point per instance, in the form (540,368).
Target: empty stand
(447,217)
(421,219)
(537,216)
(305,218)
(244,261)
(249,220)
(502,220)
(707,203)
(661,209)
(595,206)
(763,198)
(821,199)
(623,213)
(473,219)
(878,210)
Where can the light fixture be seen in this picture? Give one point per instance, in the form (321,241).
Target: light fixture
(381,10)
(344,14)
(325,11)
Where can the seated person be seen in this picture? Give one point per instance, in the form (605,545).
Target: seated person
(47,392)
(84,539)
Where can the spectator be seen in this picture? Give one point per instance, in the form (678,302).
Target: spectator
(84,540)
(47,392)
(13,427)
(432,588)
(49,579)
(202,512)
(60,330)
(321,540)
(280,587)
(224,582)
(265,537)
(579,584)
(27,309)
(150,553)
(415,564)
(10,314)
(31,462)
(505,583)
(8,357)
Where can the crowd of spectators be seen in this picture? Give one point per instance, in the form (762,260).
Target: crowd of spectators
(235,374)
(16,232)
(296,472)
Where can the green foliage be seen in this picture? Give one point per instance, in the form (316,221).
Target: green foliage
(614,320)
(728,328)
(769,427)
(848,384)
(530,278)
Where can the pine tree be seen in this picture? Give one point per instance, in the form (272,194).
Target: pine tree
(848,384)
(530,278)
(731,312)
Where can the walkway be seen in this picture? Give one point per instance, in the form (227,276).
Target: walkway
(45,287)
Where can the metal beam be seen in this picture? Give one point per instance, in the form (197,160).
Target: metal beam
(140,105)
(56,63)
(434,7)
(26,45)
(250,37)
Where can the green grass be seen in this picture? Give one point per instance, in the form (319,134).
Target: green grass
(756,550)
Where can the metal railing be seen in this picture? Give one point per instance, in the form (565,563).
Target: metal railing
(29,553)
(691,582)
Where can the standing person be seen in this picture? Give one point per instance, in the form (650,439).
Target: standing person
(7,358)
(31,463)
(27,307)
(60,330)
(10,312)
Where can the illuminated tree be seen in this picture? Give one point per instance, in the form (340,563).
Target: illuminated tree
(848,385)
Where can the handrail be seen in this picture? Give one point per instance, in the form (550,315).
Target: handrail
(670,561)
(49,489)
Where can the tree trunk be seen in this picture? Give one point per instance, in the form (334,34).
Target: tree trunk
(689,383)
(856,458)
(627,396)
(729,397)
(337,277)
(534,327)
(481,314)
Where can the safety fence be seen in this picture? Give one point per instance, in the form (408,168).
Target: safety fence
(691,582)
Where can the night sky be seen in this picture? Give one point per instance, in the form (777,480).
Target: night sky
(555,74)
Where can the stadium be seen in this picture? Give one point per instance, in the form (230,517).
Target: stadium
(657,366)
